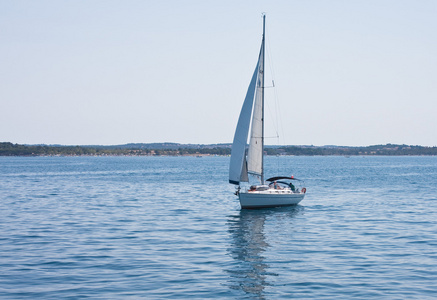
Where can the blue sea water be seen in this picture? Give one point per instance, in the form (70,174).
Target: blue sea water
(170,227)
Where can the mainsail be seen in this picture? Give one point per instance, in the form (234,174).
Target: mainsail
(239,169)
(255,153)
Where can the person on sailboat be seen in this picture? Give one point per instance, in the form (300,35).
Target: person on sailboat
(277,186)
(273,185)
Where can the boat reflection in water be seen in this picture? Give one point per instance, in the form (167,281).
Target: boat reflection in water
(250,248)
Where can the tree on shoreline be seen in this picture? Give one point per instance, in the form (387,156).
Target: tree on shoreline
(10,149)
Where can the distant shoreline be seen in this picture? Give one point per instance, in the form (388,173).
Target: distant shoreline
(175,149)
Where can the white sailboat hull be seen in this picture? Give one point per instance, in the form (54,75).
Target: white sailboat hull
(269,198)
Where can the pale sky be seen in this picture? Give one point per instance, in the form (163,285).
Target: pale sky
(112,72)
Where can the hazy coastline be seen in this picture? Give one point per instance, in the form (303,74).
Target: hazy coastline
(176,149)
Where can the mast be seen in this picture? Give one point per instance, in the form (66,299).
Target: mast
(262,90)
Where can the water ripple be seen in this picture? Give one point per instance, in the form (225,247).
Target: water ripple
(169,227)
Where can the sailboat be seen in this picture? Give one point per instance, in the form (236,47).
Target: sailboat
(245,161)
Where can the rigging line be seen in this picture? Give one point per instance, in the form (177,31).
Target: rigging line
(278,118)
(279,127)
(266,137)
(272,117)
(274,114)
(271,137)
